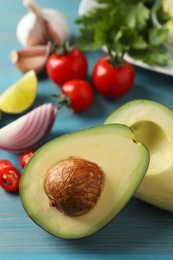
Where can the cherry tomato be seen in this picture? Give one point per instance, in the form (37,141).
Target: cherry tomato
(9,178)
(113,81)
(25,157)
(80,94)
(4,164)
(70,66)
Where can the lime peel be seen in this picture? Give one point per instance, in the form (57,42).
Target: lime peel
(21,95)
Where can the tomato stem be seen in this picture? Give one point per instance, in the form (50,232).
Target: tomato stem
(116,59)
(61,50)
(63,100)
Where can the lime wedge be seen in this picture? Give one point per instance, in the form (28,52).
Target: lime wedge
(21,95)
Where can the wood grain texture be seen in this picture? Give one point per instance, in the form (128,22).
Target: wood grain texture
(140,231)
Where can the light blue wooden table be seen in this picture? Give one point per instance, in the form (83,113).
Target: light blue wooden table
(140,231)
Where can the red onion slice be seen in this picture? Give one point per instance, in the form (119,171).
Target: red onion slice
(28,131)
(34,126)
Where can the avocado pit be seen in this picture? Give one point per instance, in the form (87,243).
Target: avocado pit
(74,185)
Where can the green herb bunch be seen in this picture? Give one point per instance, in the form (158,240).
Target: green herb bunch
(124,26)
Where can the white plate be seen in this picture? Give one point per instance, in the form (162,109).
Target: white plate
(86,5)
(168,70)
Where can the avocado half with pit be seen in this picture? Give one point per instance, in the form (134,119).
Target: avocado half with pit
(152,124)
(77,183)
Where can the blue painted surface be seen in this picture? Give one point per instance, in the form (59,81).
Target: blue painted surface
(140,231)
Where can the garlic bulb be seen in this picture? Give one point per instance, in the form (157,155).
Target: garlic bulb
(31,58)
(41,25)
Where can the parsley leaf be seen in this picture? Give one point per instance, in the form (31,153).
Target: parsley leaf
(123,27)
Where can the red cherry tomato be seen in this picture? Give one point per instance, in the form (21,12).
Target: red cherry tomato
(25,157)
(113,81)
(80,94)
(4,164)
(70,66)
(9,178)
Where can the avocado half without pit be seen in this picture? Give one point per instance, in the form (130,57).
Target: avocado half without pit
(77,183)
(152,124)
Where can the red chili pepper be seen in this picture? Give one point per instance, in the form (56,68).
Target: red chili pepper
(9,178)
(25,157)
(4,164)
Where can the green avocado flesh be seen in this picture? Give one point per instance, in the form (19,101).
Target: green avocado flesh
(123,160)
(152,124)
